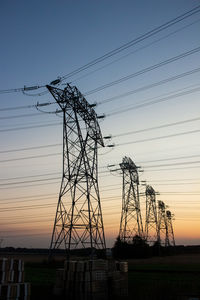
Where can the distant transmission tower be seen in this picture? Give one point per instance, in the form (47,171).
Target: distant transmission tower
(162,224)
(151,225)
(131,219)
(78,220)
(170,241)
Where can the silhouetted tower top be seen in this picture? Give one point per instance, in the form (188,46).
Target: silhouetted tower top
(131,219)
(170,238)
(162,224)
(128,165)
(151,224)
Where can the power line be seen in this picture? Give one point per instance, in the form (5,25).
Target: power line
(180,193)
(17,107)
(113,136)
(24,222)
(25,235)
(50,179)
(171,158)
(114,113)
(145,70)
(29,176)
(30,148)
(181,183)
(30,127)
(33,206)
(29,217)
(28,181)
(24,207)
(30,157)
(156,127)
(27,200)
(21,116)
(112,52)
(58,173)
(174,169)
(122,144)
(173,164)
(28,185)
(133,52)
(29,197)
(145,103)
(163,159)
(133,42)
(38,184)
(118,96)
(158,138)
(164,180)
(15,90)
(191,91)
(149,86)
(27,106)
(45,205)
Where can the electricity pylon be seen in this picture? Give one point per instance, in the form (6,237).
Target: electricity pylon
(151,225)
(162,224)
(131,219)
(170,241)
(78,221)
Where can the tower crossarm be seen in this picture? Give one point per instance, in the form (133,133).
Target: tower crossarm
(71,98)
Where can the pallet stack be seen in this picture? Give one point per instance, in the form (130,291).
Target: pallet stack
(93,279)
(12,285)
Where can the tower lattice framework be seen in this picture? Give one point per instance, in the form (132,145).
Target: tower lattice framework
(151,224)
(131,219)
(78,221)
(170,240)
(162,224)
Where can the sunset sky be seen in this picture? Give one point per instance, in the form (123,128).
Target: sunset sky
(42,40)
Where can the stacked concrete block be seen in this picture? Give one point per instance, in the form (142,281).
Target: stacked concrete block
(92,279)
(118,280)
(12,285)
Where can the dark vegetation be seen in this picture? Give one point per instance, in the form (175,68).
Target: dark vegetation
(139,248)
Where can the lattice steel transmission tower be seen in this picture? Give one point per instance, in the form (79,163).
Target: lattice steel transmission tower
(131,219)
(151,224)
(78,221)
(170,241)
(162,224)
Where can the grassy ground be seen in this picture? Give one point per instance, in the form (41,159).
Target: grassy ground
(175,277)
(168,278)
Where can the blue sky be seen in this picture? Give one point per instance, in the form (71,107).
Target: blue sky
(41,40)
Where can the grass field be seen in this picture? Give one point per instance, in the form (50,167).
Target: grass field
(157,278)
(174,277)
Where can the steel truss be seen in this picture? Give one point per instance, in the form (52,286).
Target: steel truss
(131,219)
(78,221)
(170,241)
(151,224)
(162,224)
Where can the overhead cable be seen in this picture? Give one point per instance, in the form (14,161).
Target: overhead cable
(133,52)
(145,70)
(149,103)
(149,86)
(133,42)
(113,52)
(156,127)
